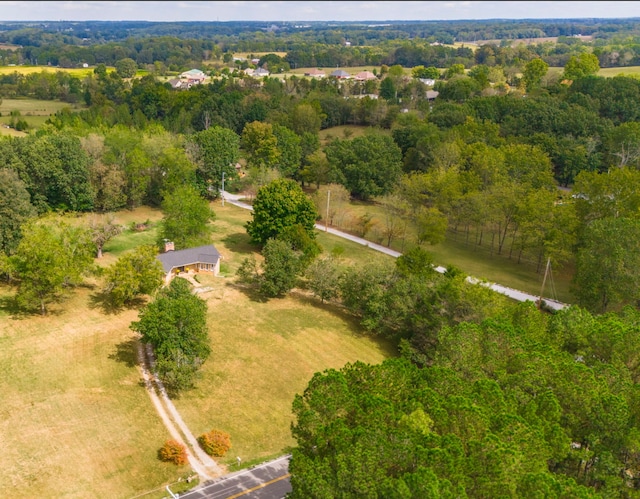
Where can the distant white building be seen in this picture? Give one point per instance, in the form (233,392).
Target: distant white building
(428,81)
(260,72)
(193,76)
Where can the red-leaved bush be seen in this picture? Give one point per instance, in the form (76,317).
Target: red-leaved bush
(173,452)
(215,443)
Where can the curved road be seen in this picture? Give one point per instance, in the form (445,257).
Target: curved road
(512,293)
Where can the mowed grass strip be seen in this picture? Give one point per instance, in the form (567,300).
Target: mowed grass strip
(74,419)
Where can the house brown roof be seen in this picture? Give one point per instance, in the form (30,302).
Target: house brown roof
(365,75)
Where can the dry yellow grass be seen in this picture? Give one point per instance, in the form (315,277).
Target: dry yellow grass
(25,70)
(4,130)
(74,420)
(8,46)
(263,354)
(257,55)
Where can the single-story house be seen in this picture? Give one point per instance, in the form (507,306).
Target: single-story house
(432,94)
(315,73)
(176,83)
(341,74)
(202,259)
(260,72)
(193,76)
(364,76)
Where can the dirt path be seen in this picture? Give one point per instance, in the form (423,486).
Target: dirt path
(201,463)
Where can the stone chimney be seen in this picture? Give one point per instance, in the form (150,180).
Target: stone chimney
(168,246)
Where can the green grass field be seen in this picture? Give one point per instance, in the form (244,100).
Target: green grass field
(626,71)
(35,112)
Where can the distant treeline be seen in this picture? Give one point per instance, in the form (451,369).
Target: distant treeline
(181,45)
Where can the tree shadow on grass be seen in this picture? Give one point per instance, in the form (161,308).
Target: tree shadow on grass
(102,300)
(250,292)
(126,353)
(9,306)
(240,243)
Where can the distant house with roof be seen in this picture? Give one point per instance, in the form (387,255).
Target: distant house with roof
(341,74)
(364,76)
(315,73)
(260,72)
(193,77)
(202,259)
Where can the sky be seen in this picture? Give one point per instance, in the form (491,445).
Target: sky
(177,10)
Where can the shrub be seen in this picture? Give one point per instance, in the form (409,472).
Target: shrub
(215,443)
(173,452)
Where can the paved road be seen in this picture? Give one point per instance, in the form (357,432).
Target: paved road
(267,481)
(512,293)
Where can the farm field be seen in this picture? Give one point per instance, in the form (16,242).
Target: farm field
(35,112)
(25,70)
(626,71)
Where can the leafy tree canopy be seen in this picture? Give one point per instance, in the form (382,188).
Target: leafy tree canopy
(175,324)
(279,205)
(186,218)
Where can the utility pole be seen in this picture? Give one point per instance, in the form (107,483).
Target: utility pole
(326,225)
(222,194)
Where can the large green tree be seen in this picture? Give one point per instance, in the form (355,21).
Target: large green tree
(278,206)
(216,152)
(186,218)
(580,66)
(608,264)
(15,209)
(533,72)
(260,144)
(175,324)
(133,274)
(370,165)
(51,257)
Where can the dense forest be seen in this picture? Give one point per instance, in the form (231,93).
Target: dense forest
(180,45)
(488,399)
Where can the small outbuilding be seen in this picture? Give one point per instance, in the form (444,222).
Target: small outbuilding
(202,259)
